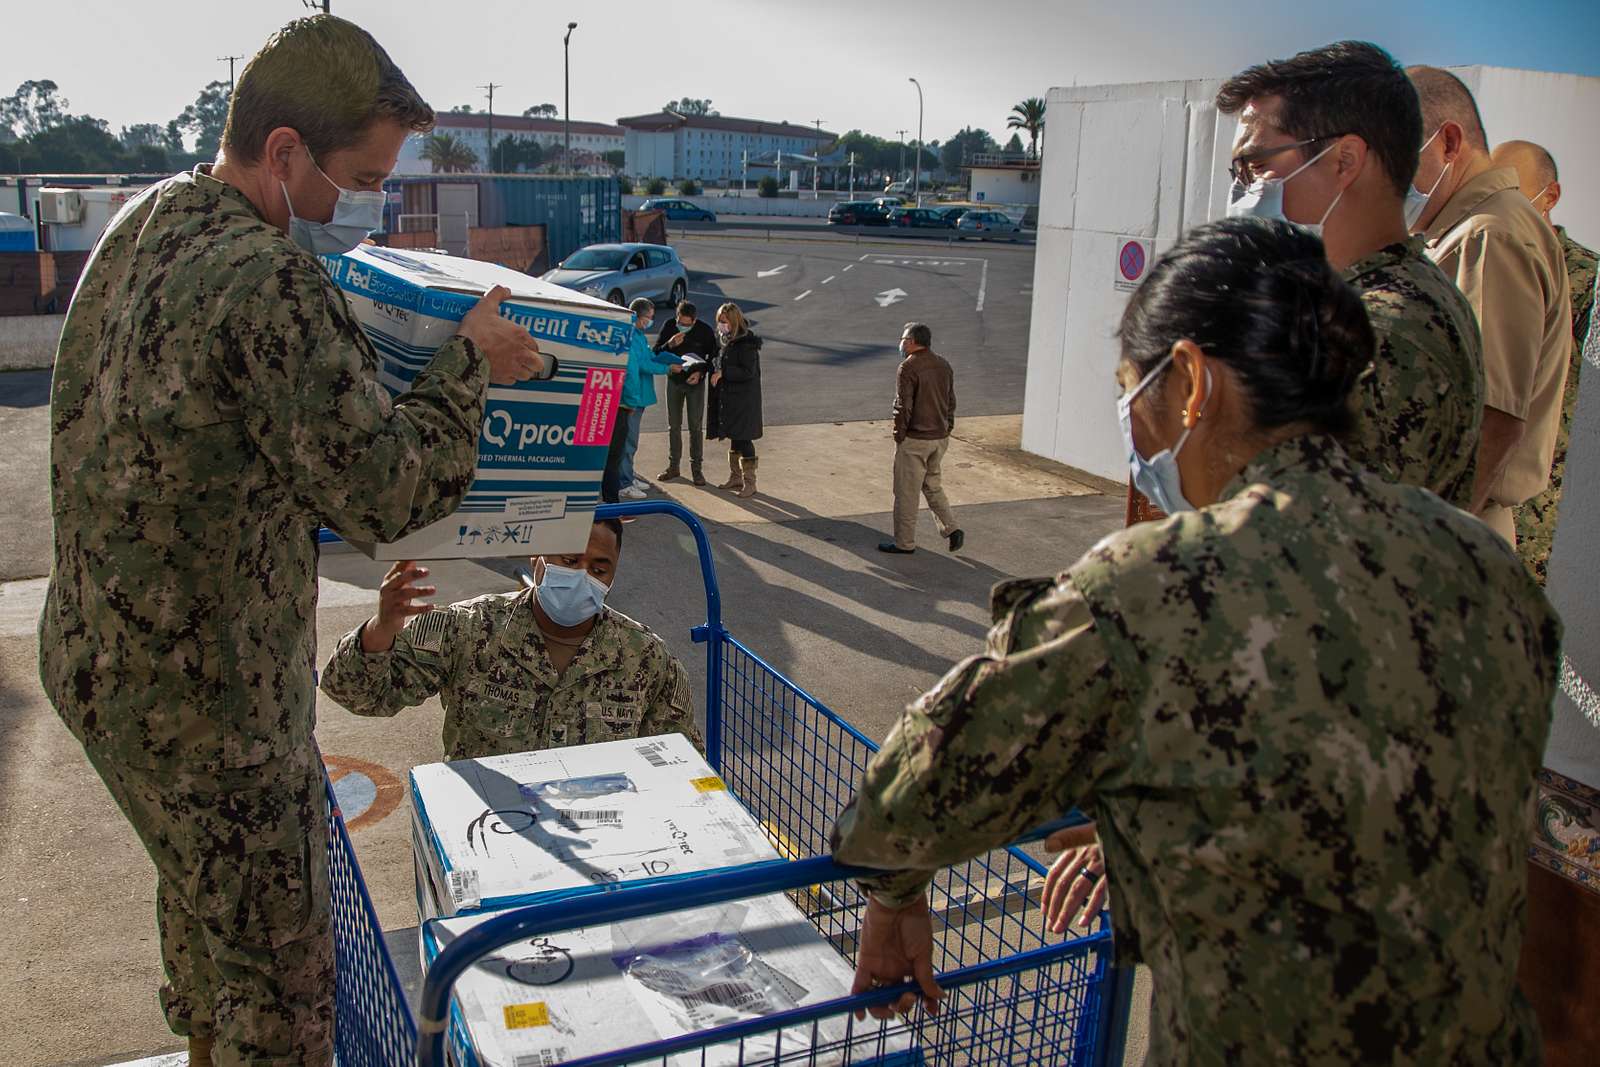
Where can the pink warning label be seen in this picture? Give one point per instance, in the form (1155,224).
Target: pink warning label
(597,411)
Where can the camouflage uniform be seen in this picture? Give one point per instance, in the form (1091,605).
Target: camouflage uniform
(486,660)
(1307,721)
(1422,398)
(213,401)
(1536,518)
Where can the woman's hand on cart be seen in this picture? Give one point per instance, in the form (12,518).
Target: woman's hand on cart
(1075,888)
(896,946)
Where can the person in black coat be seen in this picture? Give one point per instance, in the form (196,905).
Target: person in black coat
(686,337)
(735,401)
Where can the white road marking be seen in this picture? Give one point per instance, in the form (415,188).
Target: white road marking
(829,278)
(983,284)
(850,266)
(770,273)
(803,295)
(890,296)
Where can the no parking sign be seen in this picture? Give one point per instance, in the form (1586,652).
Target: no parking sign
(1133,260)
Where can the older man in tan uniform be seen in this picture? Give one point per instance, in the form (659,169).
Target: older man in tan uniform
(1485,235)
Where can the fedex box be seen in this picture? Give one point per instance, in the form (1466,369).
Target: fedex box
(600,988)
(503,831)
(543,444)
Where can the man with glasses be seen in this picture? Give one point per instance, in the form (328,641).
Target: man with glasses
(1482,231)
(1328,139)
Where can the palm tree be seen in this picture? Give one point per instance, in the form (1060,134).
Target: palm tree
(449,153)
(1029,115)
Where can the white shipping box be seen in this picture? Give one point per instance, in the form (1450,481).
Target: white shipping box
(501,831)
(542,446)
(606,987)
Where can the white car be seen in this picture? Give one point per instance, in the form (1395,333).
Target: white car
(987,225)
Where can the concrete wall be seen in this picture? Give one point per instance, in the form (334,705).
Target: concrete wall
(649,155)
(1150,160)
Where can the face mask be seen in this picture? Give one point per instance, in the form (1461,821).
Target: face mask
(1263,199)
(1416,200)
(355,215)
(724,332)
(1156,477)
(682,328)
(644,327)
(569,596)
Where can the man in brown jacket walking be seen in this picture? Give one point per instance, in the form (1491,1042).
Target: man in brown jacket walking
(924,419)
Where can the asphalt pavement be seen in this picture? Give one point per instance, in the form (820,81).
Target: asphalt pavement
(802,584)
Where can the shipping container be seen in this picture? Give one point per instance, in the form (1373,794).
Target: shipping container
(575,211)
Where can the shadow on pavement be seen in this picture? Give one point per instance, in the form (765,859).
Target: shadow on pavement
(24,388)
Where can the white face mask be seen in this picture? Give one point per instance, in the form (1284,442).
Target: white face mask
(356,214)
(1416,200)
(570,596)
(1263,198)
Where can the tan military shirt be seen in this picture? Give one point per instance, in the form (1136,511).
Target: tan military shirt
(1507,262)
(490,666)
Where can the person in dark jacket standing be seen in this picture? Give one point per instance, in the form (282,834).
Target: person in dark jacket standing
(924,419)
(686,337)
(735,403)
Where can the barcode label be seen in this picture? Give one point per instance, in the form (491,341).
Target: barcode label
(738,995)
(607,817)
(652,755)
(545,1057)
(463,886)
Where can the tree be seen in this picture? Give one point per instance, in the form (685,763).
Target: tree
(1014,146)
(174,136)
(541,111)
(142,134)
(33,108)
(205,118)
(690,106)
(655,187)
(616,158)
(768,186)
(449,153)
(461,109)
(1029,115)
(518,154)
(969,142)
(77,145)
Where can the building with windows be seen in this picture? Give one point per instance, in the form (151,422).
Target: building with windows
(590,140)
(667,144)
(1004,178)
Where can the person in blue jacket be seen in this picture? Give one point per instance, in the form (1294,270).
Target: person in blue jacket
(638,393)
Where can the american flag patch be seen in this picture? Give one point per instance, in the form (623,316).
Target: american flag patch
(427,631)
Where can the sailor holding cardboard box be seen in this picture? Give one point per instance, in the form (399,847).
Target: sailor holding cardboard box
(214,401)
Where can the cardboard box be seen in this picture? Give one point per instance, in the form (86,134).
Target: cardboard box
(606,987)
(543,444)
(501,831)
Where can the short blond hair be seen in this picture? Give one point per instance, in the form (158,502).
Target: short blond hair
(738,325)
(329,81)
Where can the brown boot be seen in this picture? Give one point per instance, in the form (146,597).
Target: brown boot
(749,465)
(735,476)
(200,1052)
(698,476)
(670,474)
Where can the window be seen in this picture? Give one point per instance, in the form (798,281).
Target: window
(657,257)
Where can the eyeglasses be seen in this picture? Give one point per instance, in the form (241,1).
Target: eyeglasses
(1240,169)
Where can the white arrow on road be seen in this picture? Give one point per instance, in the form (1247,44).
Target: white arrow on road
(890,296)
(770,273)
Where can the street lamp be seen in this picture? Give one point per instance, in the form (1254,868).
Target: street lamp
(566,100)
(916,181)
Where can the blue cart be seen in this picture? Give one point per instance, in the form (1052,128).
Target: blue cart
(1014,994)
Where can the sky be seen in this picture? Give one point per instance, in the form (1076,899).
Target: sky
(800,60)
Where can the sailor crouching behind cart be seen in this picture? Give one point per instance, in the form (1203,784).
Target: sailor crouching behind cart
(541,668)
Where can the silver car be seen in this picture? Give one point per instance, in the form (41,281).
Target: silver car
(989,225)
(623,273)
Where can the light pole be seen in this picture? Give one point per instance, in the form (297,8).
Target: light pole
(900,175)
(566,99)
(916,181)
(491,87)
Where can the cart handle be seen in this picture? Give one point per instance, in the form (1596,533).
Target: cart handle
(539,920)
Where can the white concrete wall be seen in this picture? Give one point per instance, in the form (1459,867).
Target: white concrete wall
(1006,186)
(648,155)
(1150,160)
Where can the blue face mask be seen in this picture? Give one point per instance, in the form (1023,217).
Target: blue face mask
(569,596)
(1156,477)
(1263,199)
(1416,199)
(355,215)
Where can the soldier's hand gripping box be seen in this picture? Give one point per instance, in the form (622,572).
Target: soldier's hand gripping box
(605,987)
(543,444)
(502,831)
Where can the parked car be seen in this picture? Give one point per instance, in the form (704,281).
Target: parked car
(888,203)
(858,213)
(897,189)
(678,210)
(924,217)
(951,214)
(624,272)
(987,225)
